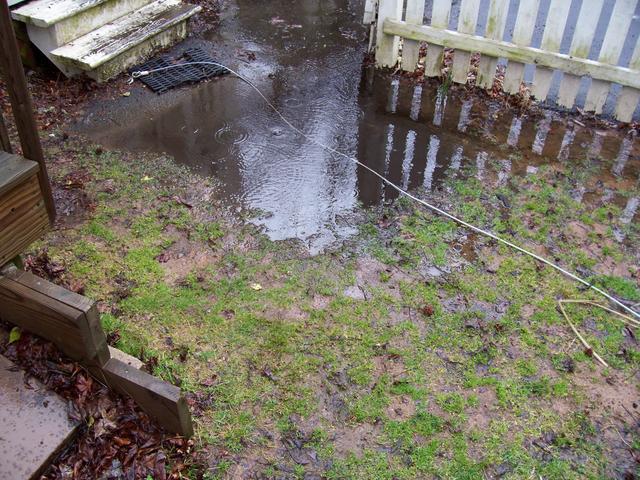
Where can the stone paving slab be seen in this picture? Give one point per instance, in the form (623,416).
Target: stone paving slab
(34,424)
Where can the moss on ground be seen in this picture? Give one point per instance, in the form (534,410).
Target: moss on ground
(468,373)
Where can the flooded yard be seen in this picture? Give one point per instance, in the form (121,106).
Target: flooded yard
(323,327)
(308,60)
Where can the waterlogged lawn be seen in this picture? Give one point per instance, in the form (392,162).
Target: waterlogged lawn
(415,350)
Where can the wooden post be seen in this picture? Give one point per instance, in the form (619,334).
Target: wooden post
(14,77)
(387,46)
(5,144)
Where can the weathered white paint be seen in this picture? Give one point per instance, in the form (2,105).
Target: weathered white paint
(623,154)
(544,126)
(565,146)
(439,19)
(629,97)
(551,38)
(388,149)
(456,160)
(610,52)
(416,103)
(552,60)
(407,161)
(514,131)
(465,111)
(113,39)
(481,163)
(496,22)
(392,99)
(432,156)
(411,48)
(522,34)
(518,52)
(44,13)
(580,47)
(370,8)
(504,173)
(387,46)
(467,22)
(630,210)
(440,106)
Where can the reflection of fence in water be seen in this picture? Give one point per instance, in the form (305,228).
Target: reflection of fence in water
(419,138)
(584,55)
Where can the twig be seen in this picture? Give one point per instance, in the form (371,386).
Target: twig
(575,330)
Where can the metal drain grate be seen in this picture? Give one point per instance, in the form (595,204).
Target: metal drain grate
(165,80)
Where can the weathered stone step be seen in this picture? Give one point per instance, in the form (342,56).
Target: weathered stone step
(34,424)
(114,47)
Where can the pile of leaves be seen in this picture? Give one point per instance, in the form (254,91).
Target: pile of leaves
(56,98)
(116,439)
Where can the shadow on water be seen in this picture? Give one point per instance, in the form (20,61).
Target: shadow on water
(308,58)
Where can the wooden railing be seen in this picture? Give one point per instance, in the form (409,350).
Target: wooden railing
(508,31)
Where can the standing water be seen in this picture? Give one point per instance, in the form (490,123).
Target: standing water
(306,57)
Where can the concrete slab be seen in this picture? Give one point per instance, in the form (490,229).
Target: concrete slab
(34,424)
(126,358)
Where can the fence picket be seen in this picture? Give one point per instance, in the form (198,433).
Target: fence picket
(551,38)
(439,19)
(411,48)
(387,46)
(496,22)
(580,47)
(466,24)
(621,17)
(369,12)
(522,33)
(629,97)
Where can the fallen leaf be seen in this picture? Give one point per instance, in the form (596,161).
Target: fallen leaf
(14,335)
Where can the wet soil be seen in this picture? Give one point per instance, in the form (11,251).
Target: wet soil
(307,58)
(413,349)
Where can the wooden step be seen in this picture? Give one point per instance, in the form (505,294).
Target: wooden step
(34,424)
(14,170)
(45,13)
(114,39)
(53,23)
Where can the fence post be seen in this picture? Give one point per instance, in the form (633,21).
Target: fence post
(387,46)
(13,74)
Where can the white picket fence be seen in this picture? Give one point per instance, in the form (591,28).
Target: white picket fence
(402,21)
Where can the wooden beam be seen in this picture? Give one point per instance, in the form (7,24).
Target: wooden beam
(65,318)
(498,49)
(5,143)
(71,322)
(14,77)
(160,400)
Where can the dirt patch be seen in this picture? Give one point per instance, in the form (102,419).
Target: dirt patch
(355,439)
(184,257)
(401,407)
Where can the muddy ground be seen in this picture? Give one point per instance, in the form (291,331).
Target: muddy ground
(404,346)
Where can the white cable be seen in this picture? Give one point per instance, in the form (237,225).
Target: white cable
(393,185)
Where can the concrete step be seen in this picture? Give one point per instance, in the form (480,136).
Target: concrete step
(52,23)
(123,43)
(34,424)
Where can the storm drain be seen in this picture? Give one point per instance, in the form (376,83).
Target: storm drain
(170,78)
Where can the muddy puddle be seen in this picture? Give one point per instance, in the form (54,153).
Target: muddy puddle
(306,57)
